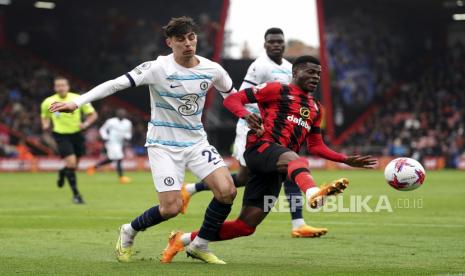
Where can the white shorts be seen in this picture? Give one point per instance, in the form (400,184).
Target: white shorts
(168,164)
(114,151)
(240,141)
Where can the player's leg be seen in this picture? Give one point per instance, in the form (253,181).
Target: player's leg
(70,175)
(189,189)
(299,228)
(91,169)
(240,178)
(298,171)
(65,148)
(168,173)
(207,164)
(72,161)
(265,182)
(119,168)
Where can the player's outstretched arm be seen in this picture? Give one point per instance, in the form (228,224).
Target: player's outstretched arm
(101,91)
(316,145)
(367,162)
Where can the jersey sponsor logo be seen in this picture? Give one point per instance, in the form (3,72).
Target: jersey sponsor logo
(174,86)
(204,85)
(169,181)
(299,122)
(190,105)
(305,112)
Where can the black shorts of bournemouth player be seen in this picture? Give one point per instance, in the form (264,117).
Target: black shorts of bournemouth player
(290,116)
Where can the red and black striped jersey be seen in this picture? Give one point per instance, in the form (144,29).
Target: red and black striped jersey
(289,114)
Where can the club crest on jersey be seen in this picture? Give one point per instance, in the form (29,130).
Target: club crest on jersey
(204,85)
(305,112)
(299,121)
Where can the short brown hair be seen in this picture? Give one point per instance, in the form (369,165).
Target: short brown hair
(60,78)
(180,26)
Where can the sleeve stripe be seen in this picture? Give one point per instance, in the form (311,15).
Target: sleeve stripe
(251,82)
(230,89)
(131,80)
(250,95)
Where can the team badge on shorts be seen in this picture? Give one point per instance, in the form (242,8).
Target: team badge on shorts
(305,112)
(169,181)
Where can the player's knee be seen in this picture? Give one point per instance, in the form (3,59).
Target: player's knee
(227,195)
(171,210)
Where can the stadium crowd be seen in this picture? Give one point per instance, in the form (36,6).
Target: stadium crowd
(424,118)
(24,82)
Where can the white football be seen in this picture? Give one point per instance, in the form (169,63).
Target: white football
(404,174)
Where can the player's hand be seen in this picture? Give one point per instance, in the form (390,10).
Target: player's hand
(83,126)
(367,161)
(254,122)
(62,107)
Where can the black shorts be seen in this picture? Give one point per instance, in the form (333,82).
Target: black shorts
(69,144)
(265,181)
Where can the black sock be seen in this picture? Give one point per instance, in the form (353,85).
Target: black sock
(61,174)
(71,176)
(149,218)
(215,215)
(119,168)
(294,196)
(200,186)
(103,162)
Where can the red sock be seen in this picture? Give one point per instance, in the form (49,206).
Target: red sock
(231,229)
(298,171)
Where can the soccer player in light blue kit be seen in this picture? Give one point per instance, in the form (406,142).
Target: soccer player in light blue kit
(176,139)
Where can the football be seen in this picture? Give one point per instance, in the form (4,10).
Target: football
(404,174)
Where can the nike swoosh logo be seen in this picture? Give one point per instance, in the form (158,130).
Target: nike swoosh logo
(174,86)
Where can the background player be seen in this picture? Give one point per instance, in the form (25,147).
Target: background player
(176,139)
(293,116)
(115,131)
(269,67)
(67,132)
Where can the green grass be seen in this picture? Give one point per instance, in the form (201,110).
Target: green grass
(42,233)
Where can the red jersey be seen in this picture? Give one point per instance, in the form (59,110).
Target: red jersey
(288,113)
(290,117)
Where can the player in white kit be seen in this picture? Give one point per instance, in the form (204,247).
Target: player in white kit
(115,131)
(268,67)
(176,139)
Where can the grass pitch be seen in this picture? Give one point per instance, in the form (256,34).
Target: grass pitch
(43,233)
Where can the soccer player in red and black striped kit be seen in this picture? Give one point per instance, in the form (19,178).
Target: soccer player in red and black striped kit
(291,116)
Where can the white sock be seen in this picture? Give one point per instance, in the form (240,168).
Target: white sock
(200,243)
(129,230)
(312,191)
(128,235)
(186,238)
(296,223)
(190,188)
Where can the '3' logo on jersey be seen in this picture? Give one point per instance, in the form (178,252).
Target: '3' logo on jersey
(190,106)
